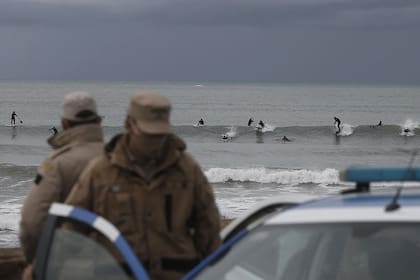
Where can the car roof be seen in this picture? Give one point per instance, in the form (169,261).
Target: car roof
(359,207)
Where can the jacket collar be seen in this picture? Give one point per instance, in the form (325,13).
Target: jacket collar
(122,157)
(77,134)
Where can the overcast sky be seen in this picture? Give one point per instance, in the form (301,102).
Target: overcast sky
(302,41)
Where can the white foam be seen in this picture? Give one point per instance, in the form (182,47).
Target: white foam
(346,129)
(409,125)
(9,221)
(10,215)
(278,176)
(266,128)
(232,132)
(20,183)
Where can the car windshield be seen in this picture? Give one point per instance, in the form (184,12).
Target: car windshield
(323,251)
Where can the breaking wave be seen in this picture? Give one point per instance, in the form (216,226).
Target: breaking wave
(263,175)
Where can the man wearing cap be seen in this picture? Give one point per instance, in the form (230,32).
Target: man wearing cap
(74,147)
(153,191)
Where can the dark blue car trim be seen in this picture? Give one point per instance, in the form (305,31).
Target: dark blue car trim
(211,258)
(381,174)
(89,218)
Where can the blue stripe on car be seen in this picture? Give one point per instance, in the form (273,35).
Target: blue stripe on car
(83,215)
(381,174)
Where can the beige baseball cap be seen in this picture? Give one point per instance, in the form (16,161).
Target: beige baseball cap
(151,112)
(79,106)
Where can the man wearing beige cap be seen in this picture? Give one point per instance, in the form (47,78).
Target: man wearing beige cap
(153,191)
(74,147)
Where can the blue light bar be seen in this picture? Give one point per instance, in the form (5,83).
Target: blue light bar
(380,174)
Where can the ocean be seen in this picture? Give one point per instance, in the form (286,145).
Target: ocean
(251,164)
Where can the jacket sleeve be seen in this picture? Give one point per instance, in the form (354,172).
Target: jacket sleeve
(206,216)
(80,196)
(43,193)
(81,193)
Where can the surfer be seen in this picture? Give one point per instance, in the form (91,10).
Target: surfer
(285,139)
(250,121)
(201,122)
(261,124)
(54,130)
(226,137)
(13,118)
(338,122)
(379,124)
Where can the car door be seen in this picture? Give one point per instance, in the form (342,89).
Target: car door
(66,252)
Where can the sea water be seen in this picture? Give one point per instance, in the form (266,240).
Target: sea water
(250,164)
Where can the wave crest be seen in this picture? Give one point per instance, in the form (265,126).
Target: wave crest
(327,176)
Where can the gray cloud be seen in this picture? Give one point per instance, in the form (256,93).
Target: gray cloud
(214,12)
(357,41)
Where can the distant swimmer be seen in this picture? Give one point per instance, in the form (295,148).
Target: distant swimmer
(338,122)
(285,139)
(261,124)
(376,125)
(250,121)
(54,130)
(201,122)
(226,137)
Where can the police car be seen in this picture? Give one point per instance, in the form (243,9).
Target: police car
(359,234)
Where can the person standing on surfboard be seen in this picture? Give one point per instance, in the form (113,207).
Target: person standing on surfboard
(13,118)
(338,122)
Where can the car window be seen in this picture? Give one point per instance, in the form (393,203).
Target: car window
(261,214)
(264,256)
(367,251)
(76,256)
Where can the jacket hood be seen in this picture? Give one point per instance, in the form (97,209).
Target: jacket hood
(119,154)
(77,134)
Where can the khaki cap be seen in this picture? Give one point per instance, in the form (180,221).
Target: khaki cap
(79,106)
(151,112)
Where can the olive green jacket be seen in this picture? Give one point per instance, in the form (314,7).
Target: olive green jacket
(168,214)
(73,149)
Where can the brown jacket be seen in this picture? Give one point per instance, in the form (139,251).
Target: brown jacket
(74,148)
(170,219)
